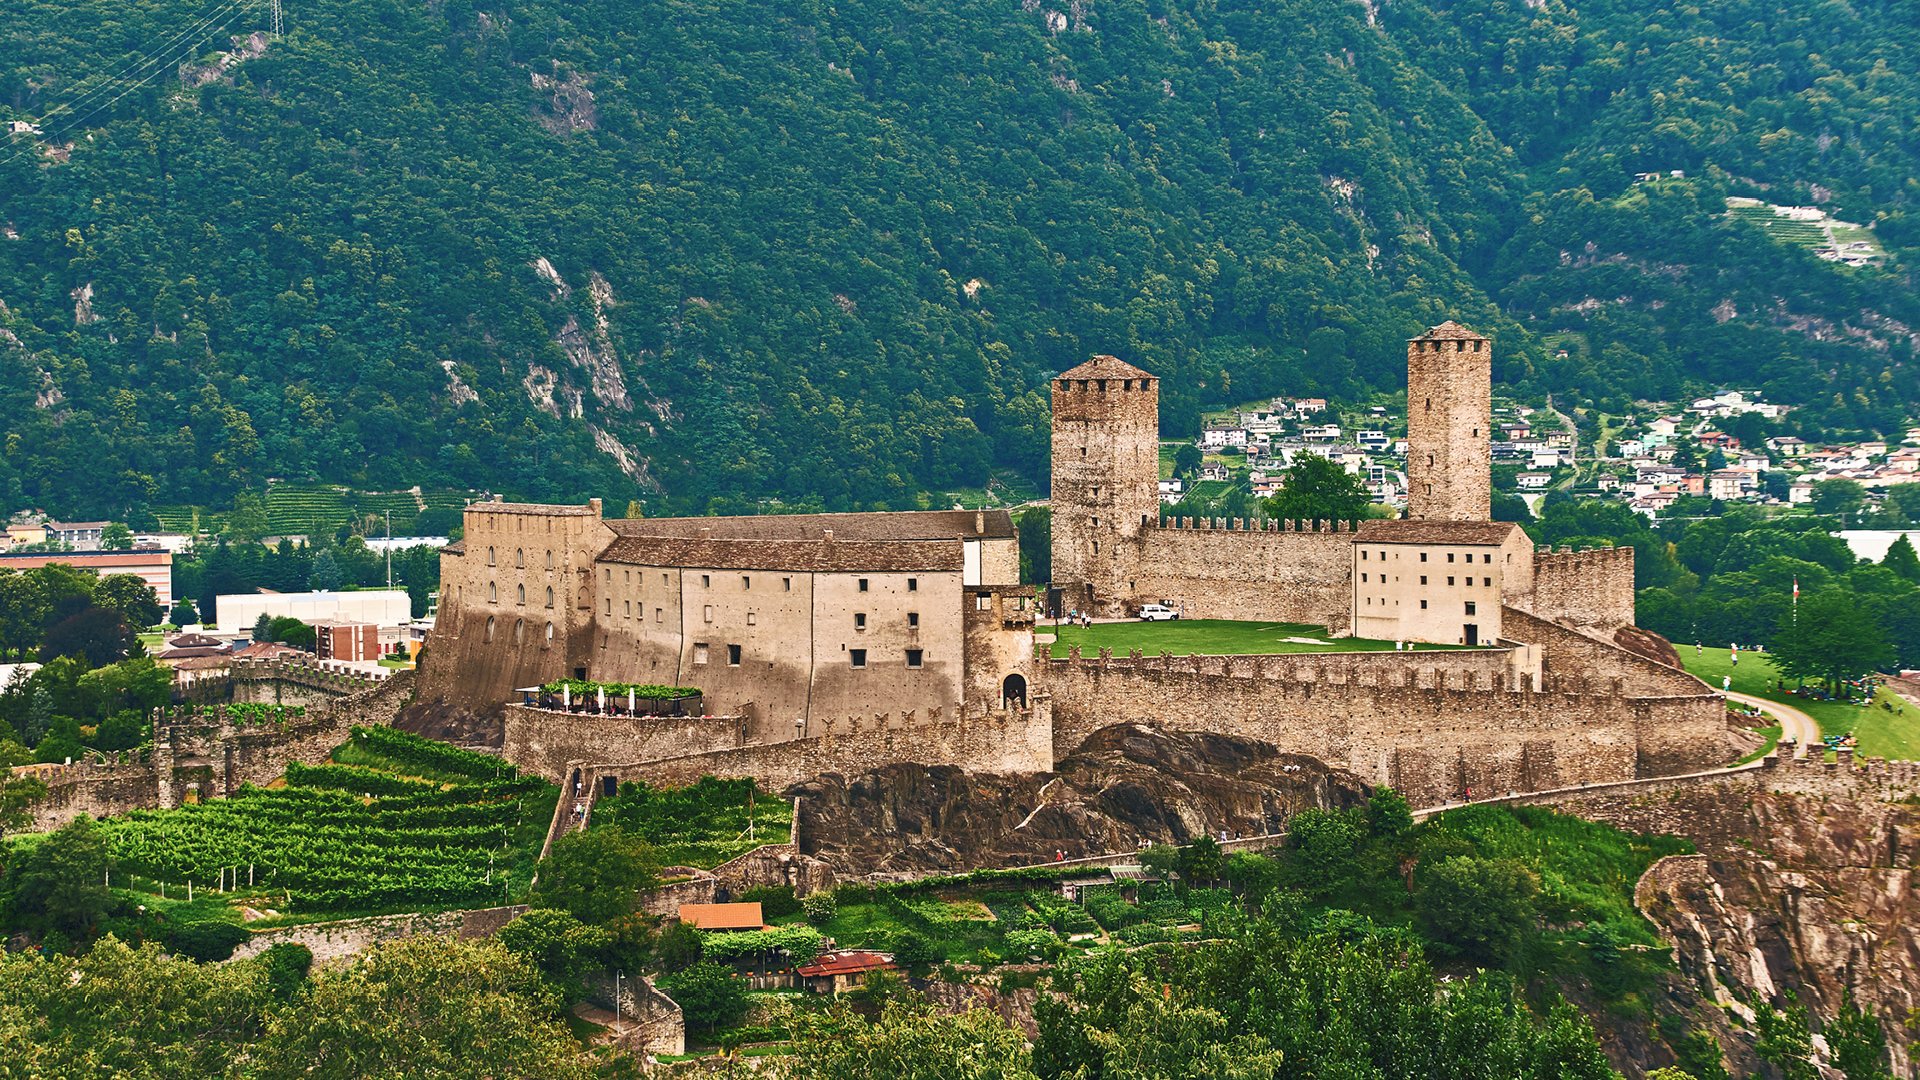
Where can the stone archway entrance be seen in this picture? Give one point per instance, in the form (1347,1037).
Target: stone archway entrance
(1013,692)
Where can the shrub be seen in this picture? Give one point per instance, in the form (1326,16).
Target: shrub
(1032,944)
(206,940)
(820,908)
(708,995)
(287,965)
(776,901)
(915,952)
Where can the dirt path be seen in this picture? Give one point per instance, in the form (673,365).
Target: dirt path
(1794,724)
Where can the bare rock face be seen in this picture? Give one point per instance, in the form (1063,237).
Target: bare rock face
(1647,644)
(1126,784)
(1826,900)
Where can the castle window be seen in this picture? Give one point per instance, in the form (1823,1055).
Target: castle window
(1096,522)
(707,612)
(550,596)
(665,580)
(1096,547)
(706,581)
(733,653)
(1487,581)
(1423,579)
(520,595)
(863,584)
(1363,555)
(629,609)
(609,605)
(859,620)
(1363,577)
(913,620)
(1423,556)
(659,615)
(857,657)
(1096,494)
(604,638)
(982,601)
(1486,558)
(518,625)
(1429,459)
(520,558)
(549,634)
(699,652)
(913,584)
(786,584)
(489,628)
(913,657)
(493,593)
(549,558)
(1449,556)
(752,619)
(609,575)
(1423,605)
(489,556)
(1083,451)
(1429,408)
(745,582)
(626,576)
(1449,579)
(1469,607)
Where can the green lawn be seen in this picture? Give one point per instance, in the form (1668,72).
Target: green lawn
(1882,732)
(1210,637)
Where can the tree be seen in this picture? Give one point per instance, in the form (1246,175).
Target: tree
(140,685)
(97,635)
(596,874)
(116,537)
(1831,636)
(183,613)
(288,630)
(1200,860)
(1314,487)
(1838,497)
(1478,907)
(18,793)
(562,947)
(263,628)
(1902,560)
(1388,813)
(325,575)
(1856,1044)
(1511,508)
(708,995)
(1320,846)
(1786,1040)
(1187,459)
(1035,526)
(428,1007)
(133,598)
(909,1040)
(59,884)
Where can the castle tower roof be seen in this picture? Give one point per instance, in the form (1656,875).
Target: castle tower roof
(1449,331)
(1105,367)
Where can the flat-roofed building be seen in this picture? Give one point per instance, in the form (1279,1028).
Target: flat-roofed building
(153,567)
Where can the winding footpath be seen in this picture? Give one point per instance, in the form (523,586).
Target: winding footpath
(1794,724)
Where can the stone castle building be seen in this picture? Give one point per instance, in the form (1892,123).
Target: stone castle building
(840,642)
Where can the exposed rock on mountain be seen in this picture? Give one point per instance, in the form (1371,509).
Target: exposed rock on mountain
(1126,784)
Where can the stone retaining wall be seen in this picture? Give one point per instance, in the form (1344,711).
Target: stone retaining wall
(347,938)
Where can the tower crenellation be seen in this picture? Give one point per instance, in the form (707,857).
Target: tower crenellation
(1449,425)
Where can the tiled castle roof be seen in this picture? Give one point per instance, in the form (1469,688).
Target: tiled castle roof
(804,556)
(1412,531)
(1105,367)
(1449,331)
(902,525)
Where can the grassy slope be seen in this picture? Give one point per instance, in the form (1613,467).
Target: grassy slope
(1211,637)
(1882,732)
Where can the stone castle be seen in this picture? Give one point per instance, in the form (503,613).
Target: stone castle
(838,642)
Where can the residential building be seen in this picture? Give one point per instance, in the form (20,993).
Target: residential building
(153,567)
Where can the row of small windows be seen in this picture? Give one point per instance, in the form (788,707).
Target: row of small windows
(519,557)
(1466,556)
(1485,581)
(519,625)
(520,594)
(857,658)
(1471,606)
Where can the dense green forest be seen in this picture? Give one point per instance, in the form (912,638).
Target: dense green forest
(715,254)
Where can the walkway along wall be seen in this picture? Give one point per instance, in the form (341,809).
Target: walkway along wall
(1431,729)
(200,749)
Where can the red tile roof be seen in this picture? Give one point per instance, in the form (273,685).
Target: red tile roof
(1105,367)
(845,963)
(723,916)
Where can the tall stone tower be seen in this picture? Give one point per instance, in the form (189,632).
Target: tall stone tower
(1449,425)
(1106,469)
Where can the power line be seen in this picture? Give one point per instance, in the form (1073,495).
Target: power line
(168,55)
(107,85)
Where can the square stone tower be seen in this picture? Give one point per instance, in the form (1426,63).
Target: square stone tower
(1106,469)
(1449,425)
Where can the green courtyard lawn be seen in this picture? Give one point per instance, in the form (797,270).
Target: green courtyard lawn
(1882,732)
(1209,637)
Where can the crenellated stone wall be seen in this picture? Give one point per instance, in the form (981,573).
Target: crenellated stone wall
(545,741)
(1591,589)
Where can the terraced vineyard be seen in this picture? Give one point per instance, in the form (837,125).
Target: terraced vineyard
(299,509)
(397,823)
(702,825)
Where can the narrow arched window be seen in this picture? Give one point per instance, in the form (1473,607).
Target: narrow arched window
(549,596)
(489,628)
(549,558)
(549,633)
(493,593)
(489,555)
(520,592)
(518,625)
(520,558)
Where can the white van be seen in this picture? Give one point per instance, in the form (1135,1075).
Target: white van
(1157,612)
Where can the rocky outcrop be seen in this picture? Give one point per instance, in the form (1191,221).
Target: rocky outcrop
(1813,895)
(1647,645)
(1125,784)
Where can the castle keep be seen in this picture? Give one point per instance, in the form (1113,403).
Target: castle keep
(842,642)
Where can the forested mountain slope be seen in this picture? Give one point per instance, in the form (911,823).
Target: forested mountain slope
(715,253)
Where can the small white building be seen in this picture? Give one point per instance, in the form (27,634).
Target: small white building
(385,608)
(1533,481)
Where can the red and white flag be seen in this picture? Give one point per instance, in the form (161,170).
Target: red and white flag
(1796,586)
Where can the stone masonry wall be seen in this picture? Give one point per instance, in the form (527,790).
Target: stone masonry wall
(1238,569)
(1590,589)
(544,742)
(1004,741)
(347,938)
